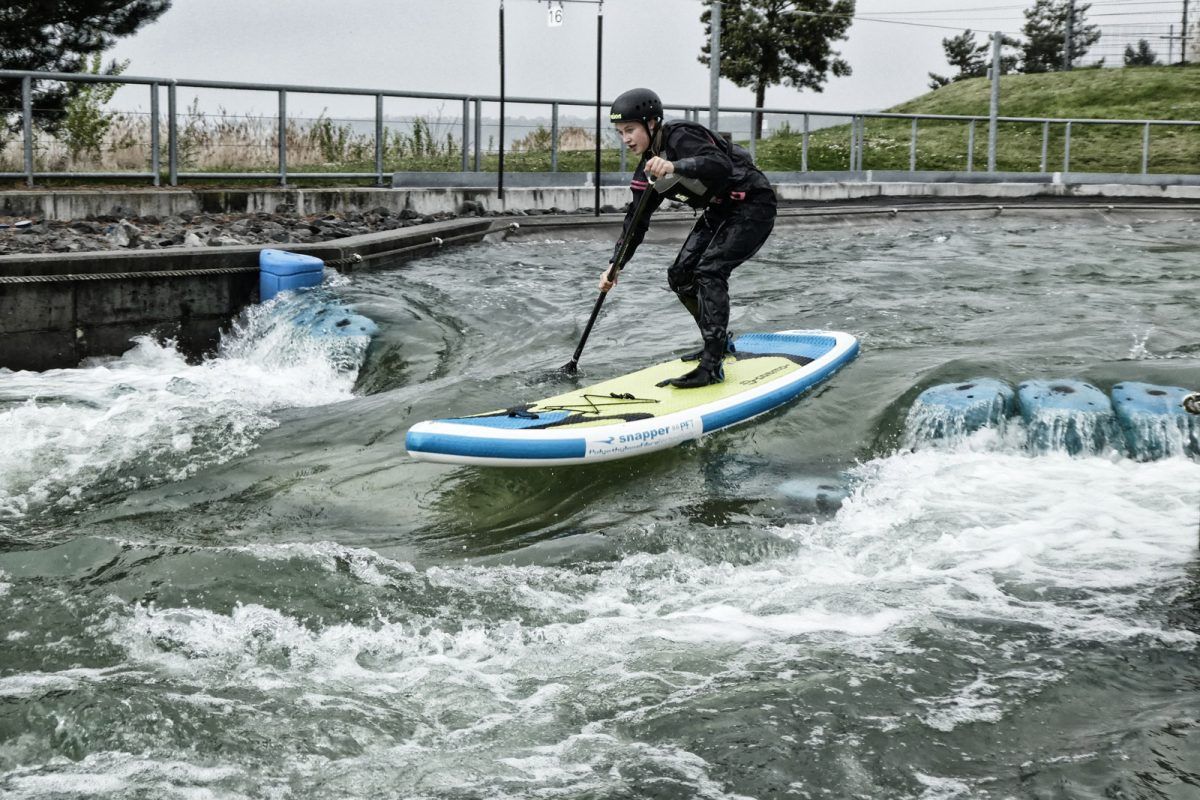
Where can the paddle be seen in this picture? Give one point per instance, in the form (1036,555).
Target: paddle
(622,256)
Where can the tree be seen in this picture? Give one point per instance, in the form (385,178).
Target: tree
(85,123)
(61,36)
(973,60)
(771,42)
(1046,29)
(1143,56)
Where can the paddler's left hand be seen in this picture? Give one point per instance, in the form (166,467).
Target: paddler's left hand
(658,167)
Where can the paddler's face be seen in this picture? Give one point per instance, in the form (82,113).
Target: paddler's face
(634,135)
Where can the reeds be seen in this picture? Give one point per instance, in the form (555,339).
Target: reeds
(228,142)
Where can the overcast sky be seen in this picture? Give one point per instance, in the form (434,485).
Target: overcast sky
(452,46)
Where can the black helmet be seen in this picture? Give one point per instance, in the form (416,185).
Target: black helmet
(636,105)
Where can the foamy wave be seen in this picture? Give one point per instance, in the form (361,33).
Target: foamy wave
(150,416)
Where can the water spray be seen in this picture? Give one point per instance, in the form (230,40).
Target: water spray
(1191,403)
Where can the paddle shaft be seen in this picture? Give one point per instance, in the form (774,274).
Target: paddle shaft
(618,262)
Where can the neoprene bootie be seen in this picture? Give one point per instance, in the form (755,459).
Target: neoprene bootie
(696,356)
(700,376)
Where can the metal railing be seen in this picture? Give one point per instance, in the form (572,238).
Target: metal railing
(471,159)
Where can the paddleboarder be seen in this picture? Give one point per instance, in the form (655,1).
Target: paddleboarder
(689,163)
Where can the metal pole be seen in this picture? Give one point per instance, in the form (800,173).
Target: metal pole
(753,138)
(714,69)
(1183,36)
(862,140)
(912,147)
(1067,151)
(994,106)
(379,140)
(1045,144)
(282,138)
(172,137)
(27,126)
(1170,43)
(804,147)
(1146,149)
(554,137)
(1067,34)
(466,132)
(599,73)
(500,176)
(478,134)
(971,147)
(624,156)
(853,141)
(155,144)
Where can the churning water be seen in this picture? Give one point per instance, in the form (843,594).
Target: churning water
(227,580)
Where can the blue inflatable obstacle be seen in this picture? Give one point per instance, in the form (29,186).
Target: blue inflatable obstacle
(281,271)
(318,313)
(1140,419)
(1154,420)
(954,410)
(1068,415)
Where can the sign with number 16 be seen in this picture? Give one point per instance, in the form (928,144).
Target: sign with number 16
(555,16)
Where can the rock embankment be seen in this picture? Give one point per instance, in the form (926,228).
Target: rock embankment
(126,231)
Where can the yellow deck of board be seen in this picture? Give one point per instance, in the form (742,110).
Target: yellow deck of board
(597,401)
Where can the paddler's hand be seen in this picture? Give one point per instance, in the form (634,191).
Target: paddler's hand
(657,167)
(605,283)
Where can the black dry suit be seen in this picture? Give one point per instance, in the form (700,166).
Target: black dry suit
(739,212)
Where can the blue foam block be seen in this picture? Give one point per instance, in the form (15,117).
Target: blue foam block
(1068,415)
(281,271)
(1154,421)
(952,410)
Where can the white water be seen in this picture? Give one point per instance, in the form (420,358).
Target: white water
(149,416)
(948,542)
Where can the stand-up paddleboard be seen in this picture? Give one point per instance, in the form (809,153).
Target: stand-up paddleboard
(631,415)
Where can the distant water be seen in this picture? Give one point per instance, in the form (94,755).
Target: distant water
(228,580)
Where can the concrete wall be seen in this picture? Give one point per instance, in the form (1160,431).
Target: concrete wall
(72,204)
(574,191)
(58,322)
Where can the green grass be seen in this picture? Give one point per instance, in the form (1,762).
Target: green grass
(1129,93)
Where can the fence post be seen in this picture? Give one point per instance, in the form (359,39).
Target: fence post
(994,102)
(282,137)
(912,147)
(172,137)
(753,138)
(1146,149)
(971,147)
(1067,151)
(804,147)
(155,136)
(853,140)
(478,132)
(379,140)
(862,142)
(554,137)
(1045,143)
(466,132)
(27,126)
(624,155)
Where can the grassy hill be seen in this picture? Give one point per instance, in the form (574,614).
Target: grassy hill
(1129,93)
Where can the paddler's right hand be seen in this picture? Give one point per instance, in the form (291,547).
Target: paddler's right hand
(605,283)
